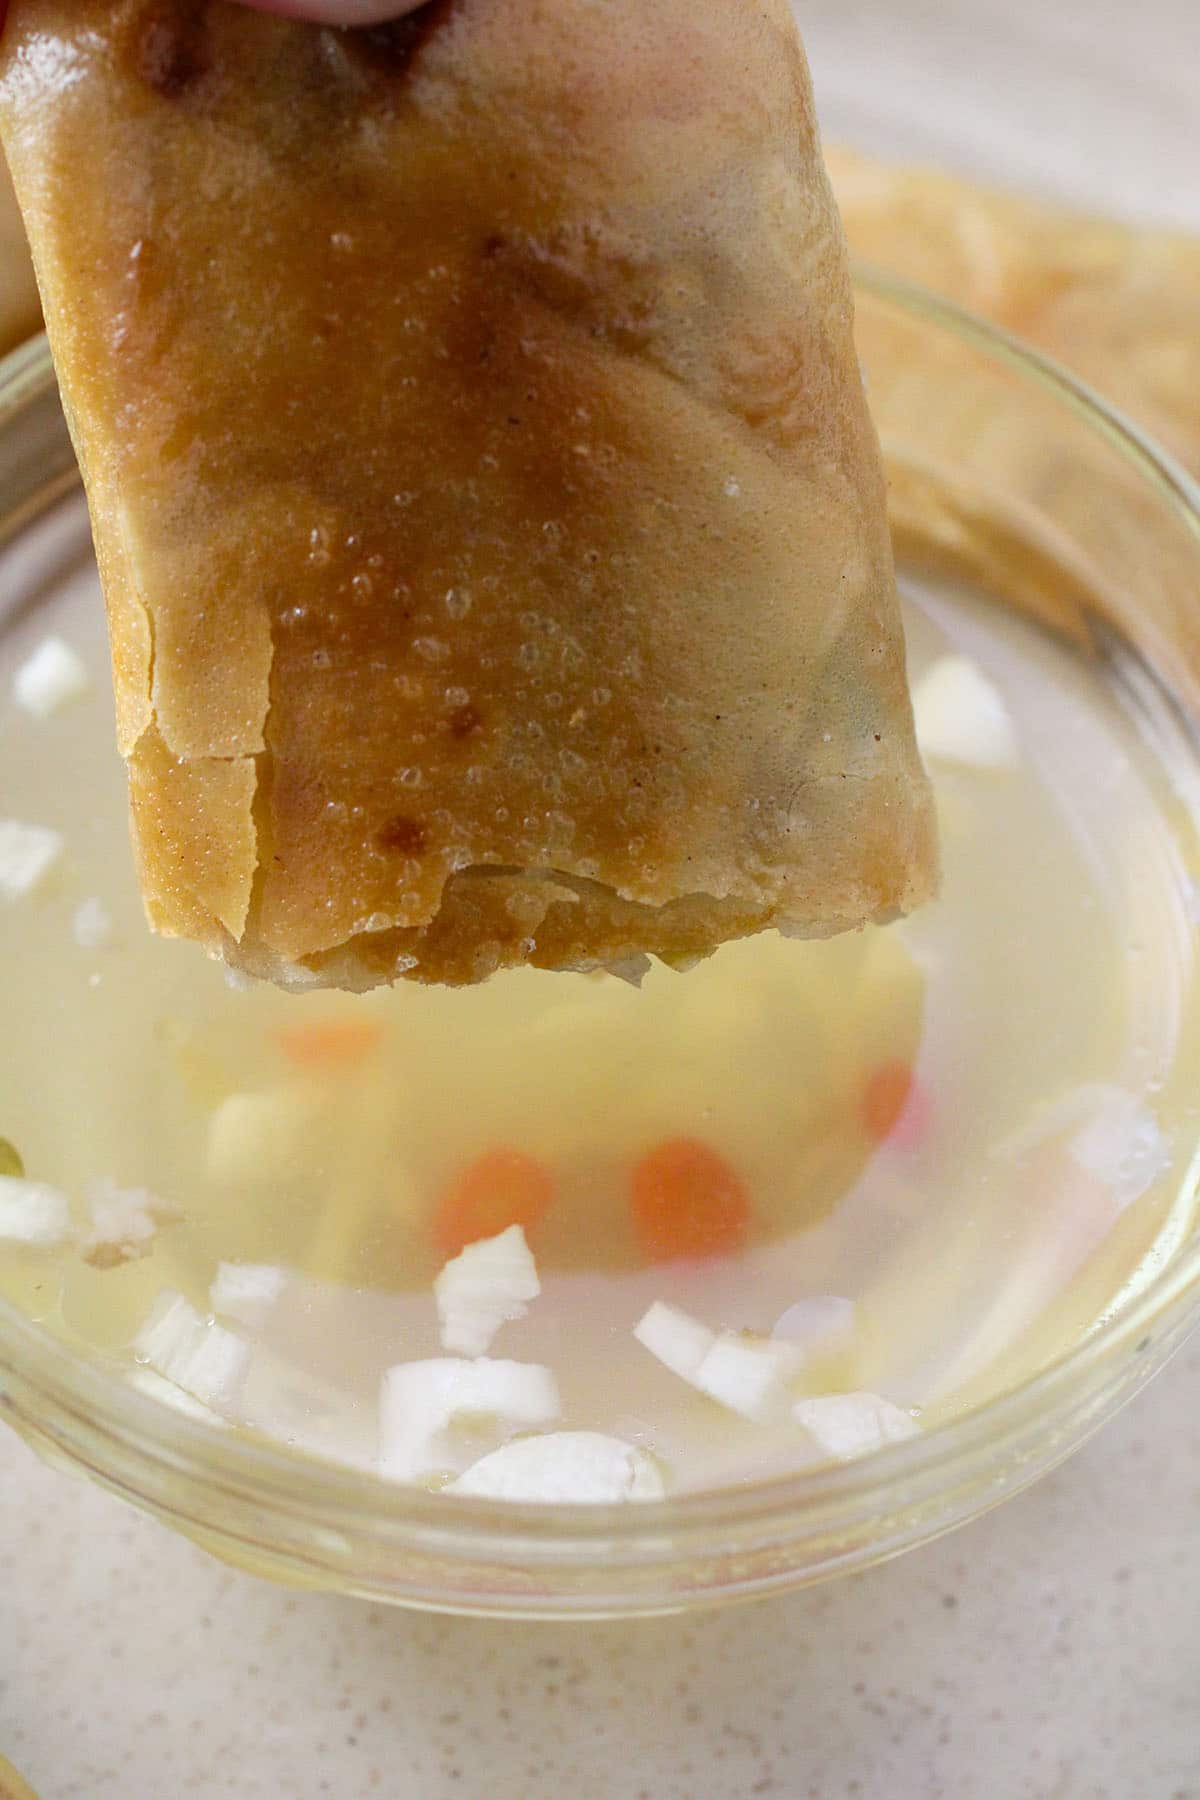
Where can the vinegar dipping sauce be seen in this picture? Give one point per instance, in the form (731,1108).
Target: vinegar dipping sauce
(931,1157)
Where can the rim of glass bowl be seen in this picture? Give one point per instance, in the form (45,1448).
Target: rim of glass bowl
(328,1525)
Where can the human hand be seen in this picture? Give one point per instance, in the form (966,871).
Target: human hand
(339,12)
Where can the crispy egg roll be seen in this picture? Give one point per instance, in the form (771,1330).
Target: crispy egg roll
(491,524)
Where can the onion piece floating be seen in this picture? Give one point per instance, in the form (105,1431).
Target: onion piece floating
(123,1223)
(750,1375)
(246,1291)
(146,1381)
(52,677)
(822,1325)
(427,1411)
(1115,1137)
(844,1426)
(679,1341)
(27,855)
(485,1286)
(33,1213)
(1124,1147)
(961,717)
(91,925)
(198,1355)
(586,1467)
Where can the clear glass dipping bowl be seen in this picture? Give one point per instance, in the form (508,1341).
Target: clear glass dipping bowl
(1005,471)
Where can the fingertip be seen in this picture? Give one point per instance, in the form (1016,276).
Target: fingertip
(348,14)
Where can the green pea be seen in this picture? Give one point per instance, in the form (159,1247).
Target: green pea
(10,1159)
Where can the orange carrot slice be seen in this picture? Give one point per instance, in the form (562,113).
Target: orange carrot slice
(499,1189)
(688,1201)
(894,1105)
(329,1043)
(884,1098)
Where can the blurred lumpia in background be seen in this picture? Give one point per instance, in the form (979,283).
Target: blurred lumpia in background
(20,315)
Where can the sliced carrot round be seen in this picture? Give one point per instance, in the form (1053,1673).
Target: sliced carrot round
(884,1098)
(894,1105)
(329,1043)
(688,1201)
(501,1188)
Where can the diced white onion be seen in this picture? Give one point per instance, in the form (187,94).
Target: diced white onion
(92,924)
(680,1342)
(27,855)
(33,1213)
(246,1291)
(750,1375)
(489,1283)
(844,1426)
(146,1381)
(198,1355)
(307,1412)
(961,717)
(50,678)
(821,1324)
(122,1223)
(1072,1108)
(1123,1146)
(1115,1137)
(423,1406)
(587,1467)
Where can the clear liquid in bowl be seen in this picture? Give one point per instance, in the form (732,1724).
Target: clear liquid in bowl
(975,1127)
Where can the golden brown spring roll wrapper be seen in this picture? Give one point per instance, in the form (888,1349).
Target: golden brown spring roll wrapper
(490,520)
(1117,304)
(12,1787)
(1062,525)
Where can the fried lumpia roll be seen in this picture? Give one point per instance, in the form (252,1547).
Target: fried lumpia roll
(490,520)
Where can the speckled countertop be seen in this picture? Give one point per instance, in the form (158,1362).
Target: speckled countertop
(1050,1651)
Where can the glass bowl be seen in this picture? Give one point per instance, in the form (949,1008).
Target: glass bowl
(1003,472)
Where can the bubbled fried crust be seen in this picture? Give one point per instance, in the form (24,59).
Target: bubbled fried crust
(490,522)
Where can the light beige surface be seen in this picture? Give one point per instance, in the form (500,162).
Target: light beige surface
(1047,1652)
